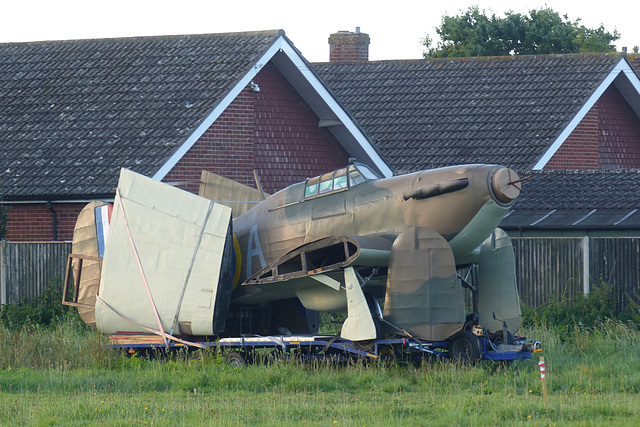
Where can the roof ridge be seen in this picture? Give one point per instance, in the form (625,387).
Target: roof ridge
(274,32)
(481,58)
(620,171)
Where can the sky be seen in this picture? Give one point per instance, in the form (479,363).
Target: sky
(396,28)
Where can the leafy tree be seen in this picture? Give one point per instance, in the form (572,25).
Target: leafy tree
(540,31)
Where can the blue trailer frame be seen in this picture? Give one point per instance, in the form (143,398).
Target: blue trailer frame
(332,348)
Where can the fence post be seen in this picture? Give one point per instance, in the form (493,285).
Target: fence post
(3,274)
(585,264)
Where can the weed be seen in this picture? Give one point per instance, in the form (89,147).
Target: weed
(45,310)
(583,311)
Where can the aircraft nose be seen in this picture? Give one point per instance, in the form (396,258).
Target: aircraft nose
(505,185)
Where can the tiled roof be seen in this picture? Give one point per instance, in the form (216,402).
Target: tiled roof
(578,199)
(581,189)
(72,113)
(431,113)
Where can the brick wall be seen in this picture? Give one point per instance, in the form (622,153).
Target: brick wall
(226,148)
(289,145)
(620,132)
(272,131)
(607,138)
(580,149)
(33,222)
(348,46)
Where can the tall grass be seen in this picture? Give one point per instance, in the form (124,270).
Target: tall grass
(67,345)
(61,374)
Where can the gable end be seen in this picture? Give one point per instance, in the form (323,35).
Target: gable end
(604,133)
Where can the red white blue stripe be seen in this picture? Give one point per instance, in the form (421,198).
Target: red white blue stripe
(103,218)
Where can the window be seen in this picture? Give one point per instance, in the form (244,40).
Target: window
(360,173)
(312,187)
(367,173)
(338,180)
(355,177)
(326,183)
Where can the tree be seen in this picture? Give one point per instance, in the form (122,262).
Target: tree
(540,31)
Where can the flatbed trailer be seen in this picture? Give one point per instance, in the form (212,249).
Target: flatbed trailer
(243,350)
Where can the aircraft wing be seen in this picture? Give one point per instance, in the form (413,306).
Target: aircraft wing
(321,276)
(314,272)
(168,263)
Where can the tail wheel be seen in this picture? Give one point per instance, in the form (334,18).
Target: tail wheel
(464,348)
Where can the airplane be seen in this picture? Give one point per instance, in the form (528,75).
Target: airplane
(177,264)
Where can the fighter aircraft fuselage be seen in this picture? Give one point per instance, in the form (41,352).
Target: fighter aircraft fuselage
(464,204)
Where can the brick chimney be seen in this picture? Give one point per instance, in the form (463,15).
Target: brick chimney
(348,46)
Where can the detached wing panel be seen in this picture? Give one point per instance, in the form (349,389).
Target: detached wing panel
(184,246)
(85,242)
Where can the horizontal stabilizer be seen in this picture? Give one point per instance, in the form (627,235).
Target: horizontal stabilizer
(424,295)
(239,197)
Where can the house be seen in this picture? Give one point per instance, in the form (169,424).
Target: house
(72,113)
(527,112)
(570,122)
(531,113)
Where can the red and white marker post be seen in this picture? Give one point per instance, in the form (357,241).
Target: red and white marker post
(543,377)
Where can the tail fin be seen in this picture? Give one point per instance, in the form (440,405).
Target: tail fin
(239,197)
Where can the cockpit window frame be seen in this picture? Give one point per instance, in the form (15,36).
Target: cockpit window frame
(337,181)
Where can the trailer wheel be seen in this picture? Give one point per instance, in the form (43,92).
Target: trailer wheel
(464,348)
(235,359)
(366,345)
(498,338)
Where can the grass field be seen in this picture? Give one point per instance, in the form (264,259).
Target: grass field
(60,376)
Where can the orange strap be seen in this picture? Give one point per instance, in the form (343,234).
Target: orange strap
(144,277)
(164,335)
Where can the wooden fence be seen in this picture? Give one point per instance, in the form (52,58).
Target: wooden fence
(565,267)
(545,267)
(26,269)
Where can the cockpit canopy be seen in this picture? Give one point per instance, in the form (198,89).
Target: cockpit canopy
(339,180)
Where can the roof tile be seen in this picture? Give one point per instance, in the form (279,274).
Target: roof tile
(108,104)
(485,110)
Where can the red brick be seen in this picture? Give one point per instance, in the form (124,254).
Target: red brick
(608,137)
(272,131)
